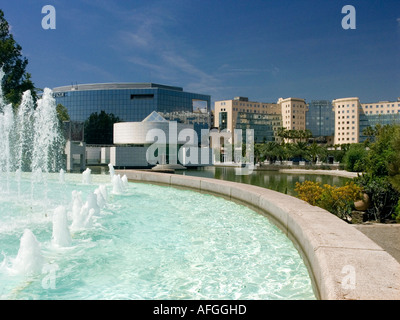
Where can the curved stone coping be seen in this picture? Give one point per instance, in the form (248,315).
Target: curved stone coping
(338,173)
(343,262)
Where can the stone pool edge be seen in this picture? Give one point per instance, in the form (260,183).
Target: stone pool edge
(343,263)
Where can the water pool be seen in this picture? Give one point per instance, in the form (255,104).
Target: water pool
(146,242)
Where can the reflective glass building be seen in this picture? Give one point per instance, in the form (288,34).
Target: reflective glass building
(265,126)
(372,120)
(320,118)
(128,101)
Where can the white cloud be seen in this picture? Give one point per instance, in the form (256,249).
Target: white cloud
(150,43)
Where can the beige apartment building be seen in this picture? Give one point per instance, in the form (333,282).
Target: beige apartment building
(292,112)
(346,120)
(351,117)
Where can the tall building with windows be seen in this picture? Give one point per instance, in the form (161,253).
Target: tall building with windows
(320,119)
(265,118)
(293,111)
(352,117)
(128,101)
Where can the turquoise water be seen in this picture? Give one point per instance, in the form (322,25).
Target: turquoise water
(148,242)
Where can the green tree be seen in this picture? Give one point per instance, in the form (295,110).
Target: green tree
(370,133)
(99,128)
(298,150)
(394,160)
(380,170)
(315,151)
(381,152)
(270,150)
(62,113)
(282,133)
(355,157)
(16,80)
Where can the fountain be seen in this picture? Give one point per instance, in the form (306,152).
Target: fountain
(118,186)
(101,193)
(87,176)
(62,176)
(119,242)
(81,215)
(29,258)
(61,236)
(112,172)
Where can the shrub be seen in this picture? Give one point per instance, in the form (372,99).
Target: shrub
(309,191)
(383,197)
(337,200)
(396,214)
(354,159)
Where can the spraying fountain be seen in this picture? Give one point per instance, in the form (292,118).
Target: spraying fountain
(29,259)
(87,176)
(31,141)
(122,245)
(61,235)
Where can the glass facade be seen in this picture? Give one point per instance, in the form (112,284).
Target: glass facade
(199,120)
(320,118)
(371,120)
(223,120)
(129,102)
(265,126)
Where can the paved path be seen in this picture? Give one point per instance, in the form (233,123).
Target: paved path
(339,173)
(386,236)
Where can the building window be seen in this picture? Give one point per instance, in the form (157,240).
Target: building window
(141,96)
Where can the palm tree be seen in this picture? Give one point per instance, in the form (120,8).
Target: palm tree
(315,151)
(269,150)
(282,133)
(301,149)
(294,135)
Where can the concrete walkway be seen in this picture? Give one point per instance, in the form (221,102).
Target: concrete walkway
(386,236)
(339,173)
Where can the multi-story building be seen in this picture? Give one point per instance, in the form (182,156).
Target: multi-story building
(352,117)
(293,111)
(347,112)
(265,126)
(320,120)
(265,118)
(128,101)
(200,119)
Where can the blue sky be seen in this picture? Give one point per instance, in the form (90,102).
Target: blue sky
(225,48)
